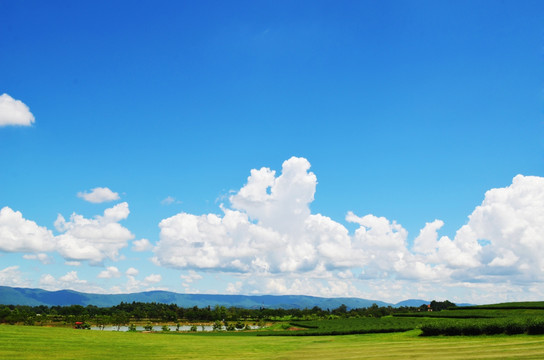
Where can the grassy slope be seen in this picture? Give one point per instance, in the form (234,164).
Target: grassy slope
(22,342)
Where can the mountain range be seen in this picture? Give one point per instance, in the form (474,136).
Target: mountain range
(35,297)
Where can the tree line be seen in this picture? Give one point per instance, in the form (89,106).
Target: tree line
(170,313)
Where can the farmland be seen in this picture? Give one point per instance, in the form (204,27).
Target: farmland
(503,331)
(33,342)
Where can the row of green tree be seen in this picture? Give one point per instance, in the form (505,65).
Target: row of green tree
(138,311)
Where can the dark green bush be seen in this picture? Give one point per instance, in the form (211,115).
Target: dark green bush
(535,327)
(472,329)
(513,328)
(492,329)
(431,330)
(452,330)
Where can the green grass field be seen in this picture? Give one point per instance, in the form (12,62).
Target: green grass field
(33,342)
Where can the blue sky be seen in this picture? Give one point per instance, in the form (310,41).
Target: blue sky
(380,120)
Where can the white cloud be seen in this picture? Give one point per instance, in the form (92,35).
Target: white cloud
(234,288)
(153,278)
(18,234)
(99,195)
(110,272)
(93,239)
(71,277)
(12,276)
(141,245)
(426,241)
(81,239)
(269,231)
(72,263)
(132,271)
(70,281)
(169,200)
(190,278)
(234,242)
(135,285)
(511,219)
(43,258)
(14,112)
(268,238)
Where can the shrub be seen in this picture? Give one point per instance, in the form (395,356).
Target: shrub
(165,328)
(472,329)
(148,327)
(132,327)
(492,329)
(193,328)
(452,330)
(535,327)
(513,328)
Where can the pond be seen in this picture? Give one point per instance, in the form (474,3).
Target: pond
(159,328)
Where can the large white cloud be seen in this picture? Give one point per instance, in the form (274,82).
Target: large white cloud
(18,234)
(510,221)
(80,239)
(93,239)
(269,231)
(99,195)
(268,241)
(12,276)
(14,112)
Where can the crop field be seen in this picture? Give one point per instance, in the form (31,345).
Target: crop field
(33,342)
(460,333)
(351,326)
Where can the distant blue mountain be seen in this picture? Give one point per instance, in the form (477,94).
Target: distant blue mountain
(35,297)
(412,302)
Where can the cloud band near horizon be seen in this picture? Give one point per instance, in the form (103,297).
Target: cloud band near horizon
(268,240)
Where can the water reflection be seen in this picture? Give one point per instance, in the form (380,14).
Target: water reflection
(160,328)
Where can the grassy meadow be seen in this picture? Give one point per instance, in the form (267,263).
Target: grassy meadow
(34,342)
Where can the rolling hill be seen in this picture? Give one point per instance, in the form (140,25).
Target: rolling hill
(35,297)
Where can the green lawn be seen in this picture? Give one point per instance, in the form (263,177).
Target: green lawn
(33,342)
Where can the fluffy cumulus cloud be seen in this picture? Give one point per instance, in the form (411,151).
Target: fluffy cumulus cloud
(270,230)
(80,238)
(264,232)
(269,233)
(266,240)
(18,234)
(43,258)
(141,245)
(14,112)
(134,285)
(132,271)
(96,239)
(153,278)
(71,281)
(12,276)
(505,234)
(110,272)
(99,195)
